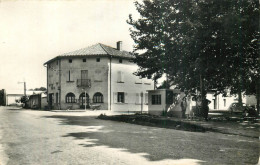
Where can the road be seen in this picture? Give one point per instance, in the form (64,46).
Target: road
(42,137)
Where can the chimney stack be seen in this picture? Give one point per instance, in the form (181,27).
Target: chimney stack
(119,45)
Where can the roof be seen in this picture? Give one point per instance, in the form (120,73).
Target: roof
(95,50)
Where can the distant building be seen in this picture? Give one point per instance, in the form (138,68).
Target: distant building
(2,97)
(104,73)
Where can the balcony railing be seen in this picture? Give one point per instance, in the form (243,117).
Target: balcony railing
(83,83)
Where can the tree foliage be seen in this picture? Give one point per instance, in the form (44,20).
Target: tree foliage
(211,44)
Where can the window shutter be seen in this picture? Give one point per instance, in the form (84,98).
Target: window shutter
(119,76)
(122,76)
(97,75)
(68,75)
(126,97)
(115,97)
(71,75)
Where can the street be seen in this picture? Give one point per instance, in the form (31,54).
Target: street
(44,137)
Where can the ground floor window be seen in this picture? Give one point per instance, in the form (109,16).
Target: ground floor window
(156,99)
(120,97)
(70,98)
(98,98)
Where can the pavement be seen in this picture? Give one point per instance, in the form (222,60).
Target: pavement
(236,127)
(46,137)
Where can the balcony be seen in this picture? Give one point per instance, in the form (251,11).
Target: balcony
(83,83)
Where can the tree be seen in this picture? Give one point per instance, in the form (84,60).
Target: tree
(24,100)
(199,44)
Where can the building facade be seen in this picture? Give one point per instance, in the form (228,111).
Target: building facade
(96,75)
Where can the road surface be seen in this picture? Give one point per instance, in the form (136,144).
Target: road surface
(43,137)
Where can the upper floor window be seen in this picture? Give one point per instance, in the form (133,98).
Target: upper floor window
(120,61)
(69,76)
(98,98)
(70,60)
(98,59)
(70,98)
(120,77)
(98,75)
(84,60)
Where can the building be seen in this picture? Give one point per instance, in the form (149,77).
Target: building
(101,74)
(37,101)
(164,100)
(2,97)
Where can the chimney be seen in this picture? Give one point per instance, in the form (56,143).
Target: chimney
(119,45)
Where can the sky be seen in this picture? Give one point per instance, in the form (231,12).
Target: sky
(32,32)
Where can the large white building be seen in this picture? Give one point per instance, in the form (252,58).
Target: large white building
(104,73)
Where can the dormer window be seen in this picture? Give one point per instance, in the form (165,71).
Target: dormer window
(84,60)
(98,59)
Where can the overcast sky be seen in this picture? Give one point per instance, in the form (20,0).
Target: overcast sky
(33,32)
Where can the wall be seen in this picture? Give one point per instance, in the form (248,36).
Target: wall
(132,85)
(53,83)
(75,73)
(222,103)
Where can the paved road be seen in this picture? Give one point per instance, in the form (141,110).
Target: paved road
(40,137)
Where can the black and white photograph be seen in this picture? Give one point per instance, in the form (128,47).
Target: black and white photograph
(129,82)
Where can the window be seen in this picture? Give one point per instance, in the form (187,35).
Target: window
(120,77)
(120,97)
(70,60)
(70,98)
(98,98)
(138,80)
(98,59)
(84,60)
(120,61)
(57,62)
(156,99)
(98,75)
(224,102)
(69,78)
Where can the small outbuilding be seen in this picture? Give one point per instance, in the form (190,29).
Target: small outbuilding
(161,100)
(38,101)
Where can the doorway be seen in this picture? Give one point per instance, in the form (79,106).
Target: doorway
(82,100)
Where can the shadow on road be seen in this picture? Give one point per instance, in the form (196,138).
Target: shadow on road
(161,144)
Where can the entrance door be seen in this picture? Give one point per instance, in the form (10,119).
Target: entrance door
(82,100)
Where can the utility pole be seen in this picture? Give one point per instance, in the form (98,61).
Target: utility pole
(142,96)
(24,87)
(85,101)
